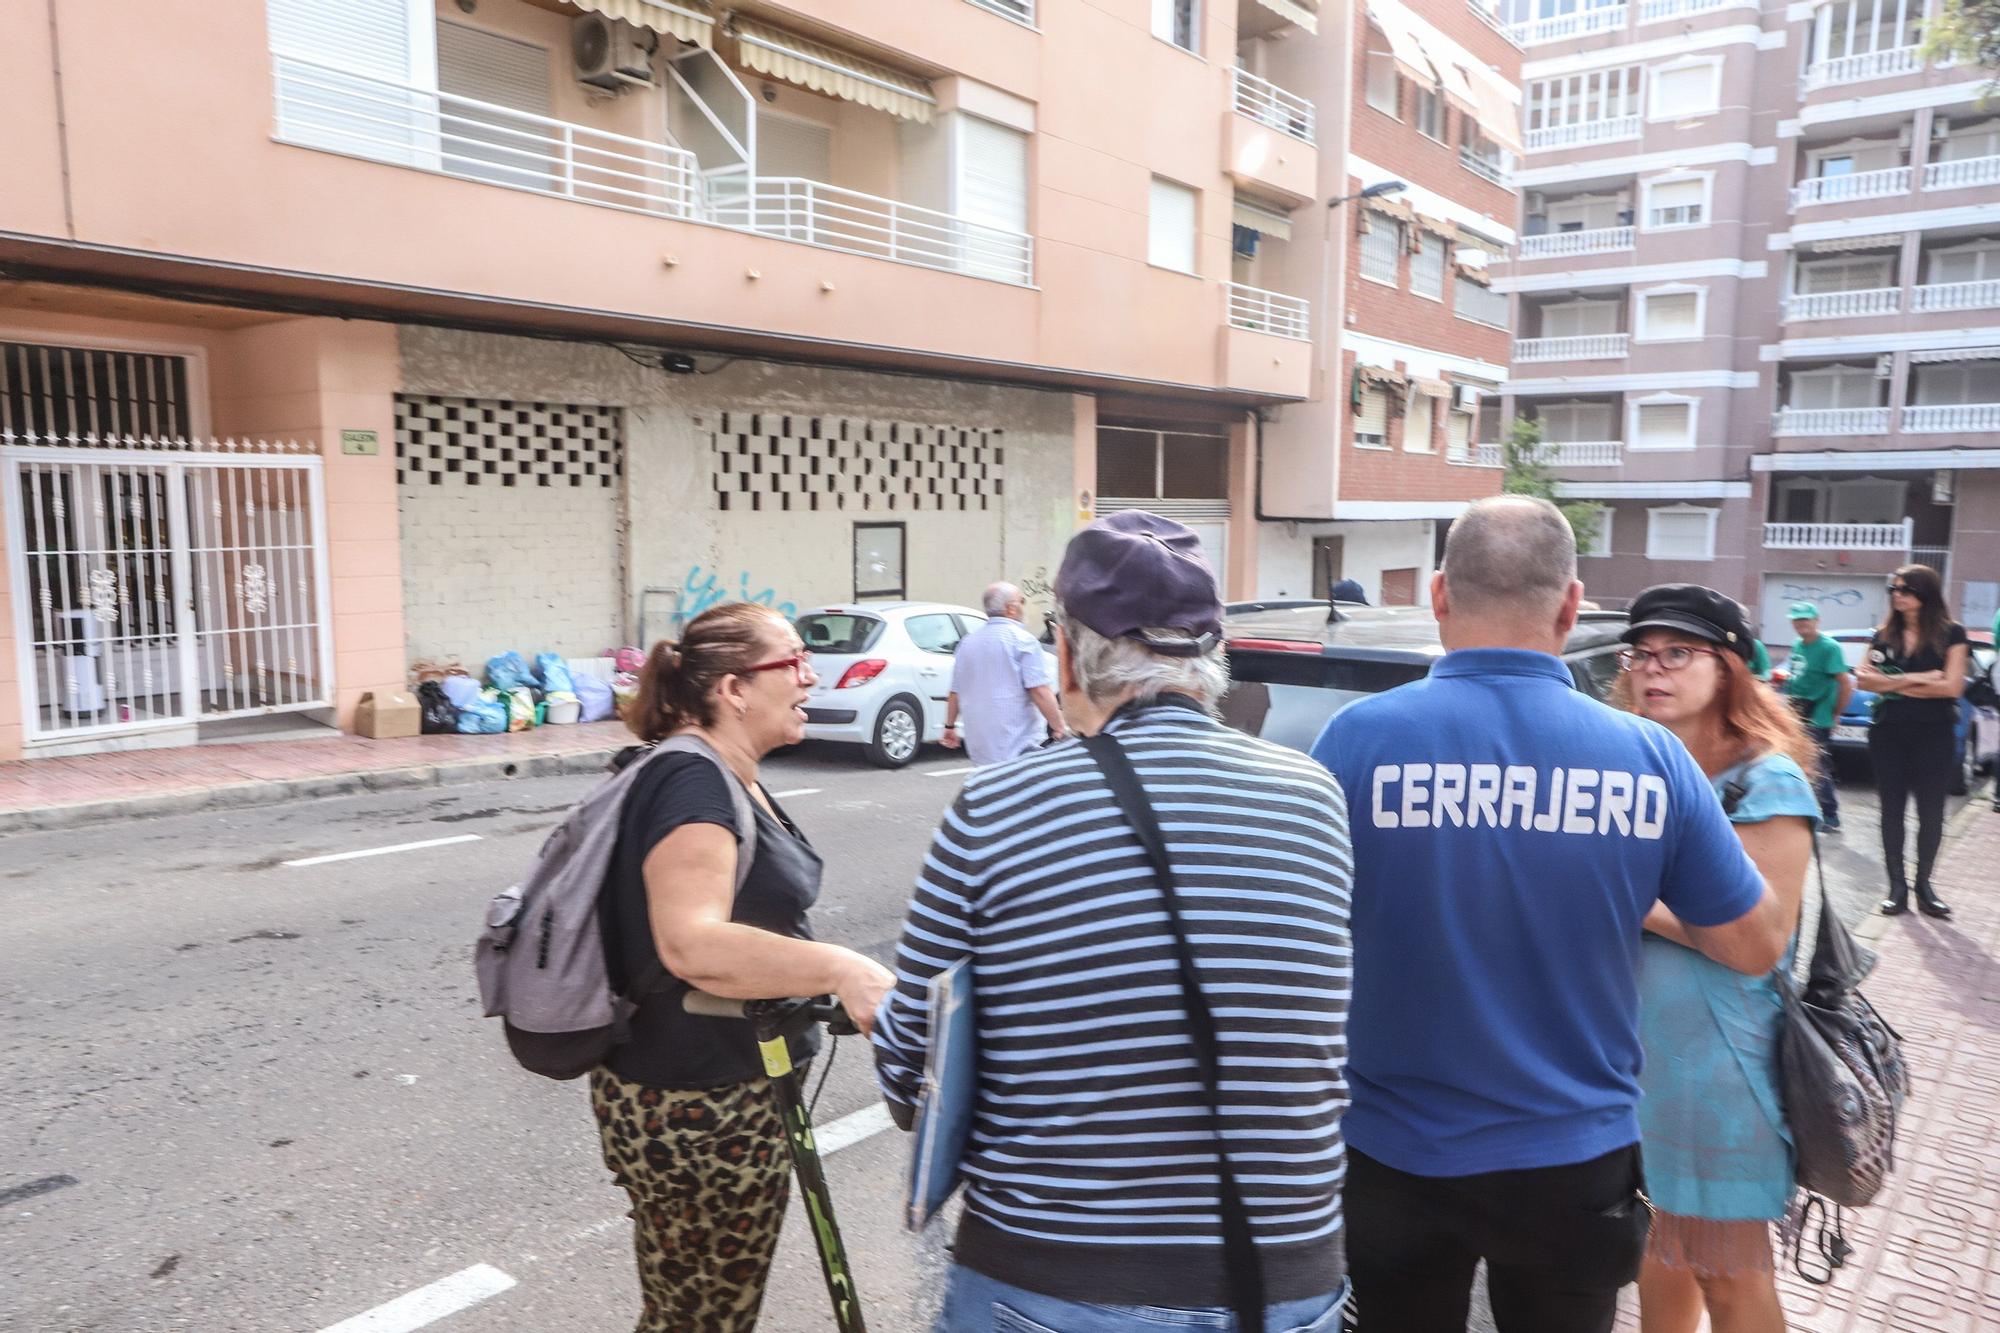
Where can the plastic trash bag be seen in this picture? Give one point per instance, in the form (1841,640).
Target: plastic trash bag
(626,659)
(461,690)
(508,671)
(439,714)
(521,708)
(486,715)
(595,696)
(554,673)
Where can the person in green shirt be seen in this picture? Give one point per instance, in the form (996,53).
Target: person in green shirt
(1760,660)
(1819,685)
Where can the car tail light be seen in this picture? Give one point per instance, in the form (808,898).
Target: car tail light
(1275,645)
(862,672)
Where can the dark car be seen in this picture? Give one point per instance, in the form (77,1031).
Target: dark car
(1850,732)
(1293,665)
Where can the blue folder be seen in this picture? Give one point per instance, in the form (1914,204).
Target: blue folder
(945,1101)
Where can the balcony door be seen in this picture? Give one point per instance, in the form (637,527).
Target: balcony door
(1578,319)
(1572,423)
(1834,386)
(357,77)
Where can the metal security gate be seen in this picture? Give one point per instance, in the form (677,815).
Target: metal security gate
(162,583)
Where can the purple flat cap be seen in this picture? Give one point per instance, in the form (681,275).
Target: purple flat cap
(1132,572)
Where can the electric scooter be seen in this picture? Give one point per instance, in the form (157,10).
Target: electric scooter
(775,1023)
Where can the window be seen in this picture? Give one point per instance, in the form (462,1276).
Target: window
(1667,315)
(1458,433)
(1833,386)
(1170,237)
(793,147)
(1417,425)
(1574,422)
(1963,142)
(1383,84)
(878,560)
(1663,423)
(1844,275)
(1676,203)
(1683,90)
(1176,21)
(993,192)
(1371,420)
(1680,532)
(1137,463)
(492,145)
(1579,319)
(933,634)
(375,44)
(1592,98)
(1599,546)
(1430,113)
(1427,266)
(1963,382)
(1970,263)
(1381,249)
(1481,304)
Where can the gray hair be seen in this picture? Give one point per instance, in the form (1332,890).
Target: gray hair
(1509,555)
(1108,670)
(999,597)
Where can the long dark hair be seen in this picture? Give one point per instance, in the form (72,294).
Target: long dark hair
(1932,616)
(677,684)
(1751,714)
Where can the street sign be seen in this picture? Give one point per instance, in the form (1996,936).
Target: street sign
(360,442)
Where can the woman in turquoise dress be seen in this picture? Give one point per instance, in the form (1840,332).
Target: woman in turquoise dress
(1718,1155)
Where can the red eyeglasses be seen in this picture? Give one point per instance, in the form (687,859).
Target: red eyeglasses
(800,664)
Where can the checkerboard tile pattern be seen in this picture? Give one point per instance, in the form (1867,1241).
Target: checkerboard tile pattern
(492,442)
(784,462)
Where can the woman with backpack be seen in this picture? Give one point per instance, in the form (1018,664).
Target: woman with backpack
(1915,668)
(688,1119)
(1719,1162)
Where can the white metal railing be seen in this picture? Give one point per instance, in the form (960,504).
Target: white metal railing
(1861,185)
(1935,296)
(1563,244)
(321,106)
(1944,418)
(1937,557)
(1655,11)
(1583,453)
(1838,536)
(1268,312)
(1869,65)
(1583,132)
(1475,455)
(793,208)
(1268,104)
(1560,27)
(1583,347)
(1021,11)
(1961,173)
(1492,20)
(1483,166)
(1830,421)
(1844,305)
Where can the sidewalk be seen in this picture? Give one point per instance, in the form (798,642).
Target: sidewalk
(84,789)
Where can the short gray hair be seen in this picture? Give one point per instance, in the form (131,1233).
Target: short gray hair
(999,597)
(1509,553)
(1108,670)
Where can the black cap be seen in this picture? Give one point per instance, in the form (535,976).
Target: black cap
(1692,609)
(1132,572)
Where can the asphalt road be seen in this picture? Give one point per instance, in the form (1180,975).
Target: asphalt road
(243,1095)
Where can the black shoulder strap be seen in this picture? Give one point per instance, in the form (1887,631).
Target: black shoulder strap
(1245,1272)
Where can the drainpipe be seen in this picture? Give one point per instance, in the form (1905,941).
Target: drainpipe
(62,120)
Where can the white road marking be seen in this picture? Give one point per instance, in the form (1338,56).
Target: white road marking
(851,1129)
(798,791)
(383,851)
(948,772)
(427,1305)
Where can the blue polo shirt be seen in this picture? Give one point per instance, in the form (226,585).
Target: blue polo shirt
(1510,834)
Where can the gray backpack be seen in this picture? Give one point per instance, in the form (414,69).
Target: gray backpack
(540,959)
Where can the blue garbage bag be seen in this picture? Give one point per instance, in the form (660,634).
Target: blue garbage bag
(461,690)
(508,671)
(554,673)
(484,716)
(595,696)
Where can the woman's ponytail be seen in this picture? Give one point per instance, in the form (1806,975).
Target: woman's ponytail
(677,679)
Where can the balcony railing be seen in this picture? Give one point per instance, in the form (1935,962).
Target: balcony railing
(1582,132)
(1474,455)
(1021,11)
(1838,536)
(1861,185)
(1583,453)
(1951,418)
(1268,104)
(1830,421)
(1585,347)
(1483,166)
(1937,557)
(1561,27)
(1657,11)
(1956,296)
(793,208)
(1962,173)
(1872,65)
(1564,244)
(1844,305)
(1260,311)
(321,106)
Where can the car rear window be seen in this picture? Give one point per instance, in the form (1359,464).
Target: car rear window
(839,635)
(1288,698)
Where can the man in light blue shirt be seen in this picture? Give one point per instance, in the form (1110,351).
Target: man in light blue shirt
(1005,683)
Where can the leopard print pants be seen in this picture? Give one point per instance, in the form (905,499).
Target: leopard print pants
(708,1177)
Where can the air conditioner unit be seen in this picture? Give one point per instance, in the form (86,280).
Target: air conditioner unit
(607,54)
(1885,365)
(1468,397)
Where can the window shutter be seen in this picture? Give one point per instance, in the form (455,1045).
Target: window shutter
(1679,534)
(1427,267)
(993,174)
(487,67)
(365,36)
(1673,315)
(1417,425)
(1663,426)
(1458,429)
(377,49)
(1687,91)
(1371,418)
(1677,203)
(1170,227)
(788,147)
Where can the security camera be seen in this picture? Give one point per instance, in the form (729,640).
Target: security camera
(770,93)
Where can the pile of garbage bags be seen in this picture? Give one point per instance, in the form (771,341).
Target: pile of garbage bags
(518,696)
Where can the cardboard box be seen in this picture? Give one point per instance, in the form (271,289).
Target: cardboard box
(386,716)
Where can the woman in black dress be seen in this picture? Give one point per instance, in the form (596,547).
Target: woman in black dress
(1916,669)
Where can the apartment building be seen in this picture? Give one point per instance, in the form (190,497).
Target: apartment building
(337,337)
(1361,480)
(1757,297)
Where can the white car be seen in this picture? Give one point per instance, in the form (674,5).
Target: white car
(884,673)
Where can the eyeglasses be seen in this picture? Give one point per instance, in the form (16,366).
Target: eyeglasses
(1902,588)
(799,663)
(1676,658)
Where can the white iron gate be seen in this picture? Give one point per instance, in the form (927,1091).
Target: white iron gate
(160,583)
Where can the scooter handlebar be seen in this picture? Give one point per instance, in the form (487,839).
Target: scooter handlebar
(713,1006)
(820,1009)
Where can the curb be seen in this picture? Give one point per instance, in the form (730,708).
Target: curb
(238,795)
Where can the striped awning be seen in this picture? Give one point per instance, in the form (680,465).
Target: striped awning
(1942,354)
(1305,13)
(836,73)
(1264,221)
(690,20)
(1430,388)
(1404,48)
(1842,244)
(1457,86)
(1496,109)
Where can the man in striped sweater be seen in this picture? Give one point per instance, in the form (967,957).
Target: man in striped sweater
(1093,1187)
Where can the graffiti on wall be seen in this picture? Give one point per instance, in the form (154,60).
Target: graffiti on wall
(704,588)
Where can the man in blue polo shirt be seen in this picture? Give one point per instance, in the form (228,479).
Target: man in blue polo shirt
(1510,835)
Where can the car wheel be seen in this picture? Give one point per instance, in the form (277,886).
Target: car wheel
(899,733)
